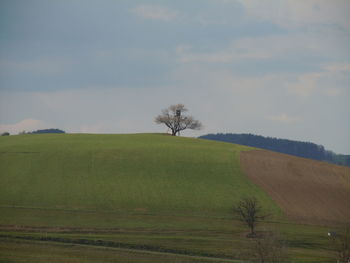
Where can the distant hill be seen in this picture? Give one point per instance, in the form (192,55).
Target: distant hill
(47,131)
(296,148)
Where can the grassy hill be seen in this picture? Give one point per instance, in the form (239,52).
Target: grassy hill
(145,172)
(143,192)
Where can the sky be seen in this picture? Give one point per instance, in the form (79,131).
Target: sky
(278,68)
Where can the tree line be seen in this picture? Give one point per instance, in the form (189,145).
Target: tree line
(36,132)
(296,148)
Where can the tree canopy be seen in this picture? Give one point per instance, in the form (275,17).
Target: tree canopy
(176,120)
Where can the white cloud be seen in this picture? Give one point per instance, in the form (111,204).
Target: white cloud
(23,125)
(283,118)
(155,12)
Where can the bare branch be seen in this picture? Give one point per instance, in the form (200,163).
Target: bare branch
(249,212)
(268,247)
(174,118)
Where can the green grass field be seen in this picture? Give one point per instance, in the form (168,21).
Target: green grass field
(128,172)
(163,193)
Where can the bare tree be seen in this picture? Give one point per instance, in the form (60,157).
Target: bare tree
(175,119)
(268,248)
(250,213)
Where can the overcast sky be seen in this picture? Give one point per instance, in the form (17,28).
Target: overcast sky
(274,68)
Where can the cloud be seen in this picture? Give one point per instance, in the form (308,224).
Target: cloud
(155,12)
(293,14)
(330,81)
(23,125)
(305,85)
(283,118)
(339,67)
(296,47)
(233,53)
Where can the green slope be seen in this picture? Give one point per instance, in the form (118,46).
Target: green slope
(144,172)
(147,191)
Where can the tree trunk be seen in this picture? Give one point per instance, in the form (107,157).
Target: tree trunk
(252,233)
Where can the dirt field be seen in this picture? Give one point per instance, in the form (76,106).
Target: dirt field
(308,191)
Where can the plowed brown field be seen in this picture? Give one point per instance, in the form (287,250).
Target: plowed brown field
(308,191)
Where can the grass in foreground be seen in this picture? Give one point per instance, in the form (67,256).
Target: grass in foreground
(42,252)
(183,234)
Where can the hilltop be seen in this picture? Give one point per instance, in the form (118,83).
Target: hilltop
(147,172)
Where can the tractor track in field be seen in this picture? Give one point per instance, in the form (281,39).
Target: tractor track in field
(123,246)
